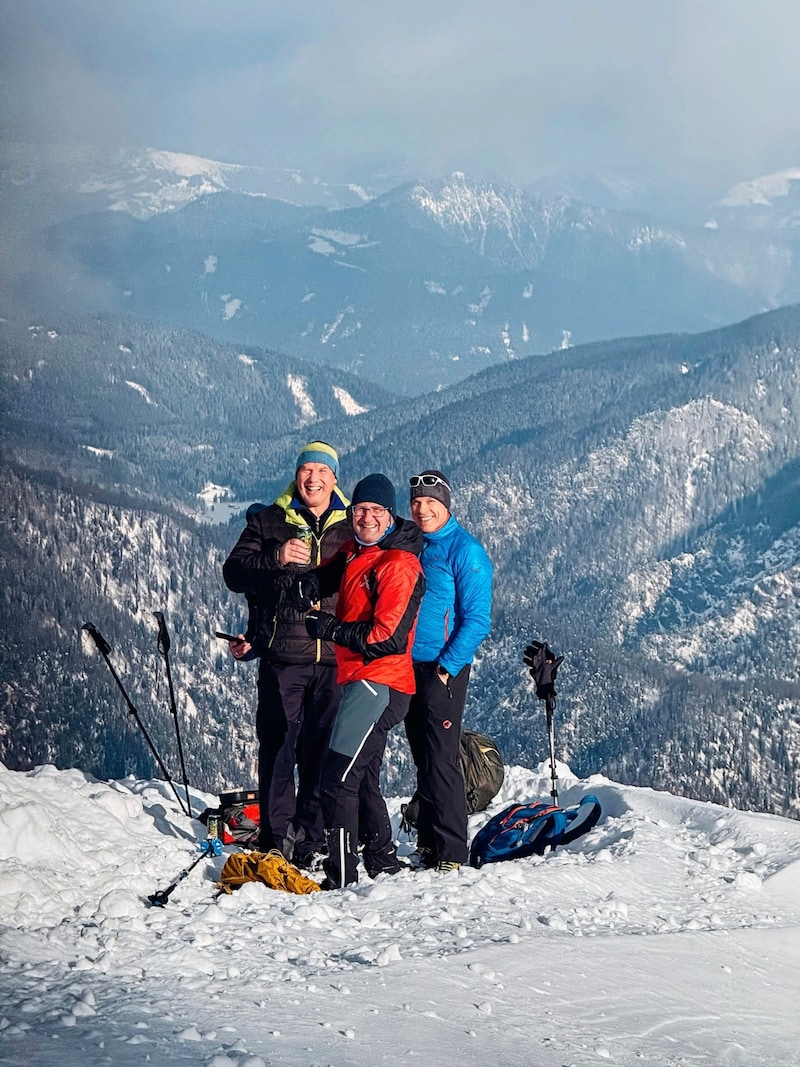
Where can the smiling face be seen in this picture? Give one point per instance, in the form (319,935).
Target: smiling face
(315,482)
(429,513)
(370,522)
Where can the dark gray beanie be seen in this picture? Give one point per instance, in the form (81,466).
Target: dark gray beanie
(438,487)
(376,489)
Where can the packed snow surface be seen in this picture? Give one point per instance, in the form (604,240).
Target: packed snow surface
(670,934)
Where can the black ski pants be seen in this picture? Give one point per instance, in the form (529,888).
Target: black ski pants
(296,707)
(433,729)
(352,804)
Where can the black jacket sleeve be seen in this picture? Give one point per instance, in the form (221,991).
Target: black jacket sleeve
(253,560)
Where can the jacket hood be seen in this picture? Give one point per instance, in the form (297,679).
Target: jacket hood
(406,535)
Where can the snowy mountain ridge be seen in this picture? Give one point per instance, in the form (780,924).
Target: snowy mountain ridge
(770,203)
(163,181)
(415,286)
(145,182)
(513,227)
(148,181)
(475,208)
(764,191)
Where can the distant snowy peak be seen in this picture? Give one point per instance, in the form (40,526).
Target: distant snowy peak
(159,181)
(771,202)
(143,182)
(191,166)
(763,192)
(457,201)
(154,181)
(513,228)
(505,224)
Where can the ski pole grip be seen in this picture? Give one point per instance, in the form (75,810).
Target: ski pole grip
(163,636)
(102,645)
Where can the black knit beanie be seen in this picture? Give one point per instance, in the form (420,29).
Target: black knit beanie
(376,489)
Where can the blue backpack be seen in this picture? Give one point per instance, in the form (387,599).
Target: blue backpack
(530,829)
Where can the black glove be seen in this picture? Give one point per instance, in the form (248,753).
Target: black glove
(544,665)
(323,625)
(304,590)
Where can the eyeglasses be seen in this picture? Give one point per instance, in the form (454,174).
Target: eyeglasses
(428,480)
(361,512)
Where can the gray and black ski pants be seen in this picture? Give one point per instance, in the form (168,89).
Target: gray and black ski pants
(352,804)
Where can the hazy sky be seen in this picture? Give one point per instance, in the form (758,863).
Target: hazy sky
(515,88)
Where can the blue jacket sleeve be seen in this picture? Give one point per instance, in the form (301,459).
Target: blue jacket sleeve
(472,572)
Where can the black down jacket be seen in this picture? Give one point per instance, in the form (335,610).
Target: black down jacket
(275,628)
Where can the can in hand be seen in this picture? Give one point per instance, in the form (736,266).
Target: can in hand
(303,533)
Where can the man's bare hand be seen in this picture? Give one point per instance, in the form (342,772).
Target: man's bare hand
(240,647)
(294,551)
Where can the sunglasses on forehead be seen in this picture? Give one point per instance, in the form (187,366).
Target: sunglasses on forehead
(428,480)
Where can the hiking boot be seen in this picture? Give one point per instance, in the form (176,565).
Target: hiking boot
(309,860)
(395,867)
(445,866)
(422,859)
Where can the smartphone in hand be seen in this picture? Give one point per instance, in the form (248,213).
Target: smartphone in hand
(226,637)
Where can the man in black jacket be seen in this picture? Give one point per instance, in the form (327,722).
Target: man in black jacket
(297,690)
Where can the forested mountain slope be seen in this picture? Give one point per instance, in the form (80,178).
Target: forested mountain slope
(157,412)
(638,499)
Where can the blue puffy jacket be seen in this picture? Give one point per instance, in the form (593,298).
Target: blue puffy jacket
(455,614)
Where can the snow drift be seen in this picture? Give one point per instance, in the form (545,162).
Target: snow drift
(669,934)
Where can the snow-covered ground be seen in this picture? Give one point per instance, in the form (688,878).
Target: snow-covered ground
(668,935)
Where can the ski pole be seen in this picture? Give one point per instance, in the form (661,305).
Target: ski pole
(104,648)
(163,648)
(211,847)
(544,664)
(549,704)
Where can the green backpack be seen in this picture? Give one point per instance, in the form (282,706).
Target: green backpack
(482,768)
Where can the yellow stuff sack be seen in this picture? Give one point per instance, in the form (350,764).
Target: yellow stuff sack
(271,868)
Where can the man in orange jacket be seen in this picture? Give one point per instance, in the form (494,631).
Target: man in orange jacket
(380,583)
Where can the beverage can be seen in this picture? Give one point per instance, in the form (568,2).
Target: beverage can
(303,533)
(214,826)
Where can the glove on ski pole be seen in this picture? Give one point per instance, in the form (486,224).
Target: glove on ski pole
(543,664)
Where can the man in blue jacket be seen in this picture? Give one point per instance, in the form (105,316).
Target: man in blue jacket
(453,620)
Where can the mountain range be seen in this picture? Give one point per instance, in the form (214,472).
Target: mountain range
(413,287)
(638,498)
